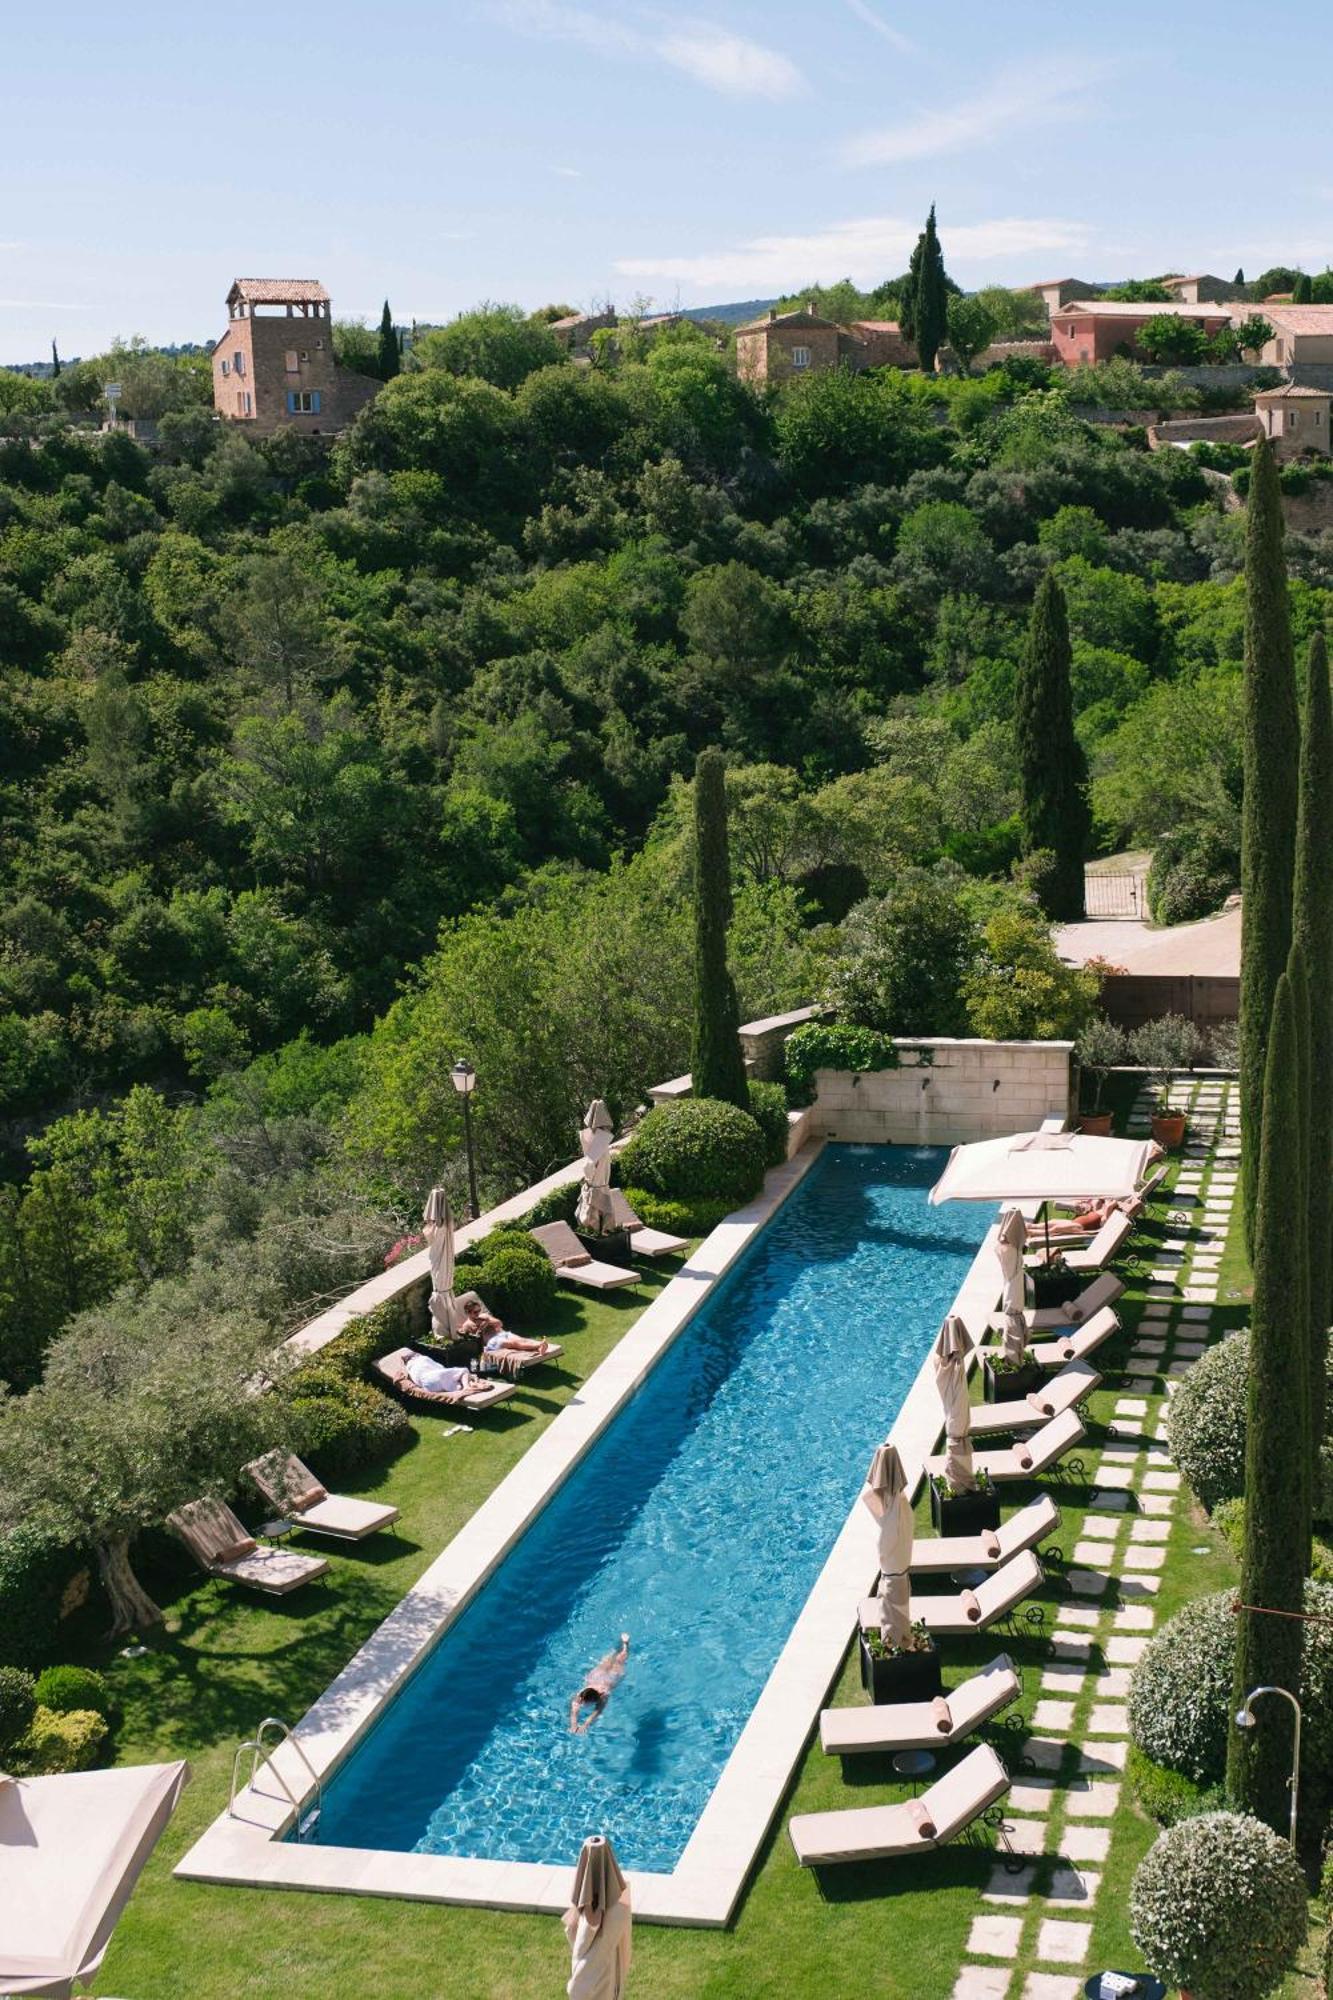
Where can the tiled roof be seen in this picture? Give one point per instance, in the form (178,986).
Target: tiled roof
(876,325)
(799,318)
(1299,319)
(1143,309)
(1292,392)
(279,291)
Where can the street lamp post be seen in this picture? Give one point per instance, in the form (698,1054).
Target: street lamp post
(465,1082)
(1245,1719)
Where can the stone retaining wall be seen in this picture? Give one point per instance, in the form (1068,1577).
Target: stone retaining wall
(946,1093)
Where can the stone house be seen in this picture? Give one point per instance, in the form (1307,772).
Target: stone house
(575,330)
(780,347)
(1203,289)
(274,366)
(1096,329)
(1057,292)
(1296,419)
(885,344)
(1302,335)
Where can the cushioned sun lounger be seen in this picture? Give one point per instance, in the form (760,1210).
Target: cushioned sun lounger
(936,1555)
(1030,1456)
(1077,1343)
(880,1833)
(293,1489)
(647,1242)
(1077,1310)
(922,1725)
(1064,1391)
(572,1261)
(220,1544)
(1101,1248)
(1136,1203)
(393,1367)
(970,1610)
(509,1362)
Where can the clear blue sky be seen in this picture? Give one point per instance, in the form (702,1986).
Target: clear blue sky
(446,151)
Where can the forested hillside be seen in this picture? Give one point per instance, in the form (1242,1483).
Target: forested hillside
(291,732)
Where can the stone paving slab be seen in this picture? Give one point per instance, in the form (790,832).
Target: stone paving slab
(1060,1942)
(983,1982)
(995,1937)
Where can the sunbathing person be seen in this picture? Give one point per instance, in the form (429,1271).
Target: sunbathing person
(1086,1219)
(486,1330)
(597,1685)
(434,1379)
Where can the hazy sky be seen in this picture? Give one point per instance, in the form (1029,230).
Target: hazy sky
(538,150)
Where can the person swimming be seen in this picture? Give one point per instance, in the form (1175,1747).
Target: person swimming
(598,1684)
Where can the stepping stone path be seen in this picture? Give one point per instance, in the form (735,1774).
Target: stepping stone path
(1058,1810)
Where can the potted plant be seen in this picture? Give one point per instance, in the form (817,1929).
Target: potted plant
(900,1673)
(1161,1047)
(1053,1282)
(1099,1048)
(963,1510)
(1007,1381)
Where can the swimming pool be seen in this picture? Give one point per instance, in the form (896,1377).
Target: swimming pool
(698,1522)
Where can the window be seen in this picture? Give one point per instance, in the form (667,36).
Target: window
(239,364)
(240,403)
(226,368)
(305,354)
(800,357)
(303,402)
(293,364)
(1291,420)
(247,402)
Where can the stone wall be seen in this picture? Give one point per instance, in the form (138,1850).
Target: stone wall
(947,1092)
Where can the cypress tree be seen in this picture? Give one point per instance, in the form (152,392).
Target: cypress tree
(55,362)
(1239,278)
(924,306)
(1052,769)
(1268,1649)
(1312,929)
(1268,821)
(1302,292)
(716,1061)
(389,360)
(1298,1235)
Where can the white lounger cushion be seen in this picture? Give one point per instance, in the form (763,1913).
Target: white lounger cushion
(1104,1244)
(1064,1392)
(1078,1343)
(342,1515)
(1103,1291)
(970,1610)
(915,1725)
(872,1833)
(572,1261)
(934,1556)
(1028,1458)
(274,1570)
(651,1242)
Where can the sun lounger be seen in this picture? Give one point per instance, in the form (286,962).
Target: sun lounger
(1100,1249)
(970,1610)
(1076,1310)
(936,1555)
(1078,1343)
(220,1544)
(922,1725)
(880,1833)
(293,1490)
(1136,1203)
(393,1367)
(509,1362)
(1030,1456)
(647,1242)
(572,1261)
(1064,1391)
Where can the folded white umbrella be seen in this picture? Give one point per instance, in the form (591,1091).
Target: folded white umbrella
(71,1850)
(952,1347)
(1010,1243)
(886,1497)
(598,1924)
(437,1227)
(594,1214)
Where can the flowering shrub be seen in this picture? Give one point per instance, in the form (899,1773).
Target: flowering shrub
(1206,1421)
(406,1246)
(1218,1906)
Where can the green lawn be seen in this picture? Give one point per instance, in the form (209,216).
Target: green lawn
(893,1930)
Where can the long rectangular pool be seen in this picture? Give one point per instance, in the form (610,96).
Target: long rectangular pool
(698,1522)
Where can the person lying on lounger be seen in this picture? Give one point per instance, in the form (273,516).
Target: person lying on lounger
(1086,1220)
(436,1380)
(597,1685)
(493,1338)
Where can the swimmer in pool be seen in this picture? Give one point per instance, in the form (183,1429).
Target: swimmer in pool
(597,1685)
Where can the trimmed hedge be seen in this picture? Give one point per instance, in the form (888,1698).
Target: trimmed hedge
(768,1108)
(698,1146)
(18,1704)
(1218,1906)
(832,1045)
(343,1425)
(556,1205)
(58,1742)
(1168,1796)
(65,1690)
(36,1570)
(678,1218)
(1206,1421)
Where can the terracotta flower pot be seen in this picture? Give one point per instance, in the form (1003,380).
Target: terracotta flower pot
(1168,1129)
(1096,1123)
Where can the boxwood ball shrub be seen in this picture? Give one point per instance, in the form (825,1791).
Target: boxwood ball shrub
(65,1689)
(1206,1421)
(768,1108)
(56,1742)
(1218,1907)
(677,1218)
(517,1283)
(18,1701)
(699,1146)
(342,1425)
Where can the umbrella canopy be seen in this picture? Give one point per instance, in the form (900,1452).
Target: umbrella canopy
(952,1347)
(886,1497)
(71,1850)
(594,1214)
(597,1924)
(1045,1166)
(1010,1243)
(437,1226)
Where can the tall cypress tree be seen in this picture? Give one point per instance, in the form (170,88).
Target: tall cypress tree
(1053,772)
(1268,1649)
(1268,822)
(716,1061)
(55,361)
(1298,1236)
(923,309)
(1302,292)
(1312,929)
(389,359)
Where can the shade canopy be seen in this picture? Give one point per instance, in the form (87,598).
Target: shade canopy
(597,1924)
(949,1359)
(437,1226)
(886,1497)
(594,1214)
(71,1851)
(1045,1166)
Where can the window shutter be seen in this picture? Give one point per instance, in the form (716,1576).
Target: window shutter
(291,402)
(314,401)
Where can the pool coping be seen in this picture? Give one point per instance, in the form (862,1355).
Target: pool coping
(247,1849)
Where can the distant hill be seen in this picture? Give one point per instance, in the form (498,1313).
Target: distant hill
(732,315)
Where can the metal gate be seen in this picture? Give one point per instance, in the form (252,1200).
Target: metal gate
(1114,893)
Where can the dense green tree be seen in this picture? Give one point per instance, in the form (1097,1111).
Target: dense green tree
(900,961)
(1172,339)
(1302,292)
(1056,817)
(1312,929)
(971,327)
(1137,291)
(716,1063)
(497,343)
(390,361)
(1268,832)
(1268,1650)
(924,303)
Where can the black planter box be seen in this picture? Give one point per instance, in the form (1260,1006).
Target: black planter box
(613,1248)
(1054,1288)
(966,1514)
(903,1677)
(1010,1385)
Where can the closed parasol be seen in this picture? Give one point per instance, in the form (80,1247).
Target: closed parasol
(595,1215)
(952,1347)
(597,1924)
(886,1496)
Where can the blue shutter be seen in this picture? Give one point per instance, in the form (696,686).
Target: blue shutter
(291,402)
(314,401)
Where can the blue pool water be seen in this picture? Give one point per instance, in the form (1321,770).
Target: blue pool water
(698,1523)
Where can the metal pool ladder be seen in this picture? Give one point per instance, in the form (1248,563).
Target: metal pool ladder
(262,1753)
